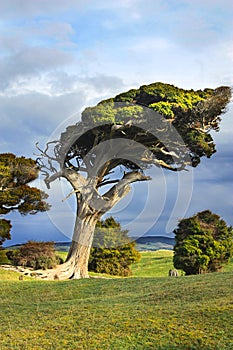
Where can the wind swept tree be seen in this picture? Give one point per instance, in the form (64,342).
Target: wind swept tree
(15,193)
(157,124)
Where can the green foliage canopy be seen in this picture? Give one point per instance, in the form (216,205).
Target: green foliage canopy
(193,114)
(204,243)
(15,193)
(5,228)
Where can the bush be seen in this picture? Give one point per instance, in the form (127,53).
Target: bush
(113,253)
(38,255)
(114,261)
(204,243)
(3,257)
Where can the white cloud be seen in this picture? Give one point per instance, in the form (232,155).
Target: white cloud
(32,108)
(31,61)
(59,31)
(28,8)
(145,45)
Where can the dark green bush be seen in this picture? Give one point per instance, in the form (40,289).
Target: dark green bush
(204,243)
(113,261)
(113,252)
(3,257)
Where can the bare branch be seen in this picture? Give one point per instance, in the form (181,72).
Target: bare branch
(172,153)
(70,194)
(76,179)
(123,187)
(107,183)
(44,153)
(48,179)
(108,166)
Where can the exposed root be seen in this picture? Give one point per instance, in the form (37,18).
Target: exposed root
(61,272)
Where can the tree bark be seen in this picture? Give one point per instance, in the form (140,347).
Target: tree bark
(79,251)
(86,218)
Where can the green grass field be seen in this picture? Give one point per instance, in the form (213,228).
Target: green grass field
(144,312)
(153,264)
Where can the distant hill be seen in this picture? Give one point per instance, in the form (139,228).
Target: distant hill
(62,246)
(155,239)
(154,243)
(143,243)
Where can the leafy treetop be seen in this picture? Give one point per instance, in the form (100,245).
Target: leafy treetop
(109,234)
(175,129)
(15,193)
(204,243)
(164,98)
(5,228)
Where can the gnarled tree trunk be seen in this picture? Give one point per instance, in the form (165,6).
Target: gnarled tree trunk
(79,251)
(86,218)
(76,265)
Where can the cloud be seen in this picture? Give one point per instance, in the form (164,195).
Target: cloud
(218,169)
(29,62)
(56,31)
(147,44)
(28,8)
(26,119)
(104,84)
(28,116)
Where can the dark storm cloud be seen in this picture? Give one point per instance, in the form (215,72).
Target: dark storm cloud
(33,116)
(26,119)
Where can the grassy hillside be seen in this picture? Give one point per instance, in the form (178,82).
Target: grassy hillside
(194,312)
(132,313)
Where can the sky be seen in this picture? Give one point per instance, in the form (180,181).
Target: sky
(58,57)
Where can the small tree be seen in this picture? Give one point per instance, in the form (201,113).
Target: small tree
(204,243)
(112,251)
(15,193)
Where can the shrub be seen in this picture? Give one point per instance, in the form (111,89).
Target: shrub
(38,255)
(204,243)
(114,261)
(113,253)
(3,257)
